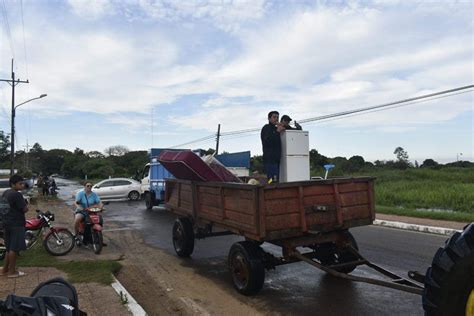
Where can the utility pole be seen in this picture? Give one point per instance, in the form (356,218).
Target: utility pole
(217,139)
(13,83)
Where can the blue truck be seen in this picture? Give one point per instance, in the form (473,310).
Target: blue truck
(154,174)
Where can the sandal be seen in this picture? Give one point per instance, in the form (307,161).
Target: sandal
(17,275)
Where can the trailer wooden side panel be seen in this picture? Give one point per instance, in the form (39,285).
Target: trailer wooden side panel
(269,212)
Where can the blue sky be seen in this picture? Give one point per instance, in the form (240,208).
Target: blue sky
(161,73)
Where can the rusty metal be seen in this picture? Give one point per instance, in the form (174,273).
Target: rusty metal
(397,282)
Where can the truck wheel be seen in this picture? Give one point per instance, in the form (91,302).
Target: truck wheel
(183,237)
(449,282)
(148,201)
(246,267)
(328,254)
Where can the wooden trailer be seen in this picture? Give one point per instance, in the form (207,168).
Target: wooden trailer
(316,214)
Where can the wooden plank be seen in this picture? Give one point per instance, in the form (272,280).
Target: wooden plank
(354,198)
(338,205)
(242,206)
(351,187)
(261,212)
(215,211)
(280,193)
(222,200)
(284,221)
(242,219)
(319,199)
(301,209)
(356,212)
(209,200)
(281,206)
(209,190)
(326,218)
(242,194)
(317,189)
(186,196)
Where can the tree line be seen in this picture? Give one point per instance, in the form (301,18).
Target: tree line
(119,161)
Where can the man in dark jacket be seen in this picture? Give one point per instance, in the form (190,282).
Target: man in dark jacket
(14,222)
(271,145)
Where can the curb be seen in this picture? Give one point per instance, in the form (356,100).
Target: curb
(131,304)
(417,228)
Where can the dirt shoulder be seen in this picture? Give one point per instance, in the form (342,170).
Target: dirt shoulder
(162,283)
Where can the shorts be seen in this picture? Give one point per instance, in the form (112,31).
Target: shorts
(15,238)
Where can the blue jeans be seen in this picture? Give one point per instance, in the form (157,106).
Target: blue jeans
(272,170)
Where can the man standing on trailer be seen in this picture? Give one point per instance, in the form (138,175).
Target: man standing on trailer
(271,145)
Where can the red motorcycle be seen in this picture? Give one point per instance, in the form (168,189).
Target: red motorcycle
(57,241)
(90,231)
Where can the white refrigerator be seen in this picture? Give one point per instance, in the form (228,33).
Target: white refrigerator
(294,163)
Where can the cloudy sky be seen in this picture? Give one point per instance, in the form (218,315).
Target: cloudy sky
(161,73)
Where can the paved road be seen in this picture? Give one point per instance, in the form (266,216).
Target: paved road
(299,288)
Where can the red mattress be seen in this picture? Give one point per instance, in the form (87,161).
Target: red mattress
(186,165)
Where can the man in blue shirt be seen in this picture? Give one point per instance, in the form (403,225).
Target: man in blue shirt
(85,199)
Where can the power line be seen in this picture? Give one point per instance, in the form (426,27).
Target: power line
(376,108)
(7,27)
(24,39)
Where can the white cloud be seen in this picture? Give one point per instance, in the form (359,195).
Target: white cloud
(91,9)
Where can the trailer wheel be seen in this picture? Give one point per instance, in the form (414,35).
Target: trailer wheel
(328,254)
(183,237)
(148,201)
(449,282)
(246,267)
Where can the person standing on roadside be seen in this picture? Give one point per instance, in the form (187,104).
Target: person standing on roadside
(271,145)
(14,221)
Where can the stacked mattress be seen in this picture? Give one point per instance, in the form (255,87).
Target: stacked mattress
(186,165)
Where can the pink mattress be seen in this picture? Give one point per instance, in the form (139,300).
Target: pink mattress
(186,165)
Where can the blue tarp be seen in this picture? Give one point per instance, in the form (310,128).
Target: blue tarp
(240,159)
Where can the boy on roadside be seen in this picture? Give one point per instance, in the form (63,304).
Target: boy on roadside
(14,222)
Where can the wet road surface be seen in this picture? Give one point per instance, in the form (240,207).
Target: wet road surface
(298,288)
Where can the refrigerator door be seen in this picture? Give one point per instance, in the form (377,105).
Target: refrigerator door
(294,142)
(294,168)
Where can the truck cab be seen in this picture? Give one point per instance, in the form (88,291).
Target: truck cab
(153,180)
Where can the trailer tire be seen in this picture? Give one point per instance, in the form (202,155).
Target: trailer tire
(449,282)
(148,201)
(183,237)
(246,267)
(328,254)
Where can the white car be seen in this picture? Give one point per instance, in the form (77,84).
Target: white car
(118,188)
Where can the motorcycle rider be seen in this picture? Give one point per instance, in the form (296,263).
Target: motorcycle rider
(85,199)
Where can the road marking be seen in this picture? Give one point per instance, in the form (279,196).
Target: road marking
(418,228)
(132,304)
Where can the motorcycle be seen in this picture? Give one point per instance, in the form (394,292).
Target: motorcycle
(53,297)
(57,241)
(90,230)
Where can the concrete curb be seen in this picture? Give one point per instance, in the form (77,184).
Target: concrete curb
(132,304)
(417,228)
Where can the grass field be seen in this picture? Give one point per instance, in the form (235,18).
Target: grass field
(439,194)
(100,271)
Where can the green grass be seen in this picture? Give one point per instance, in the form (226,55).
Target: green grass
(450,191)
(448,216)
(100,271)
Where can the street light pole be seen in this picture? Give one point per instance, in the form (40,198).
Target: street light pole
(12,150)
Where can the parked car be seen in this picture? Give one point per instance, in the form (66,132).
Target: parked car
(27,192)
(118,188)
